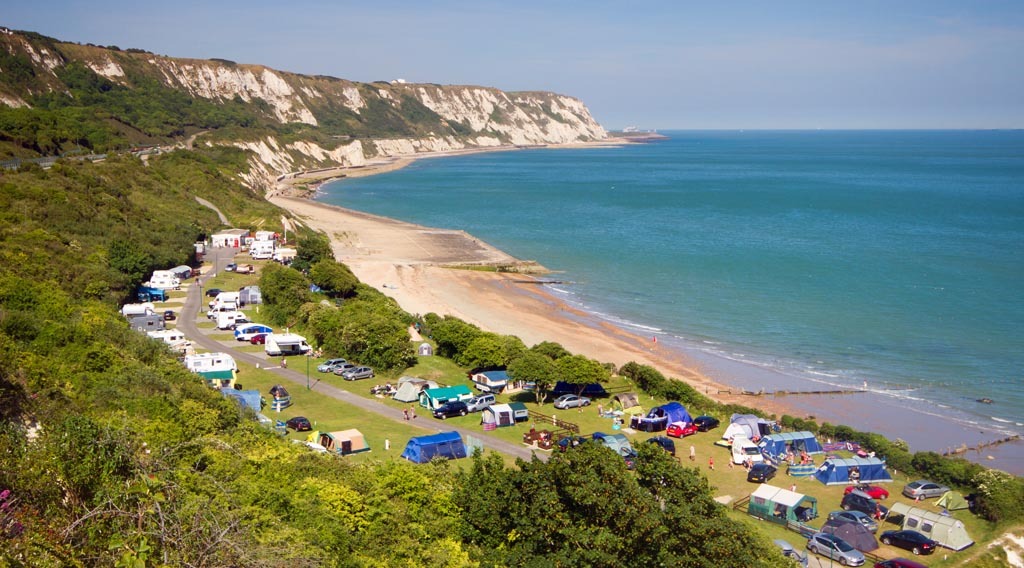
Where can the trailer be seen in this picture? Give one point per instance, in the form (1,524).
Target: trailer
(143,309)
(210,362)
(279,344)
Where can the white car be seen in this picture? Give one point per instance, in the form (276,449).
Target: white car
(571,401)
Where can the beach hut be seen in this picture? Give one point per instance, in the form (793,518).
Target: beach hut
(775,446)
(781,506)
(627,402)
(856,534)
(409,388)
(944,530)
(660,417)
(497,416)
(748,426)
(843,471)
(447,445)
(952,501)
(432,398)
(343,442)
(425,350)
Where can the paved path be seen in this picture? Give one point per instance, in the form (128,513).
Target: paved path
(205,203)
(187,324)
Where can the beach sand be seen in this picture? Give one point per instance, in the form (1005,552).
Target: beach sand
(413,265)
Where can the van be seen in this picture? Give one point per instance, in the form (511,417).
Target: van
(743,449)
(227,319)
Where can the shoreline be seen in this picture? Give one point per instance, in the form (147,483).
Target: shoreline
(411,264)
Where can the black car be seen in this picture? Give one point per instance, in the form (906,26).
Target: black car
(910,540)
(761,472)
(299,424)
(451,408)
(705,423)
(860,501)
(213,292)
(666,444)
(169,315)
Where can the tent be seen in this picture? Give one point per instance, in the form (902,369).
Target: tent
(627,402)
(224,378)
(774,447)
(781,506)
(281,400)
(593,390)
(519,411)
(618,442)
(432,398)
(952,501)
(247,398)
(425,350)
(424,448)
(344,442)
(947,531)
(499,415)
(852,532)
(839,471)
(661,416)
(409,388)
(747,425)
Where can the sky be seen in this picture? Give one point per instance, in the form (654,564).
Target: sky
(654,64)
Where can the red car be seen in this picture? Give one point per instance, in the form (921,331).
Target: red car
(874,491)
(681,429)
(259,339)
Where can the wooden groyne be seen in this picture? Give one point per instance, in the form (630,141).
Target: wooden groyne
(963,449)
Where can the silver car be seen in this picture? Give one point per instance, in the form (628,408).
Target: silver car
(329,365)
(571,401)
(357,373)
(924,489)
(478,403)
(789,552)
(835,548)
(854,517)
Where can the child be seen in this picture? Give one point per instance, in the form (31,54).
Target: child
(711,462)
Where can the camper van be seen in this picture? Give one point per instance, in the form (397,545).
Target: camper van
(245,331)
(168,336)
(286,344)
(143,309)
(226,320)
(261,250)
(163,280)
(210,362)
(284,255)
(743,449)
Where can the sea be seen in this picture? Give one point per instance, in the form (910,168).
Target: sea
(886,261)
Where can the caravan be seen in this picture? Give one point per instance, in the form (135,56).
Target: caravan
(286,344)
(210,362)
(261,250)
(226,320)
(163,280)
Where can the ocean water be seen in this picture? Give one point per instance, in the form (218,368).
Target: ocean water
(892,258)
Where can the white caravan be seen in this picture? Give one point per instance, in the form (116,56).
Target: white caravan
(286,344)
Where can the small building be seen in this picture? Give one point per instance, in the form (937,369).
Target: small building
(425,350)
(344,442)
(422,449)
(229,238)
(944,530)
(781,506)
(433,398)
(265,236)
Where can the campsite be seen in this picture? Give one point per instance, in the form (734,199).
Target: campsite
(388,439)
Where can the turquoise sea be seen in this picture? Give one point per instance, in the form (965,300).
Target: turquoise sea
(892,258)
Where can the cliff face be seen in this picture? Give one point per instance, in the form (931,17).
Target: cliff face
(339,122)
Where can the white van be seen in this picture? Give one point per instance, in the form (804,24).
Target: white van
(261,250)
(743,449)
(163,283)
(227,319)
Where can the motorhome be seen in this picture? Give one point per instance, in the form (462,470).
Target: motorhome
(168,336)
(143,309)
(261,250)
(225,320)
(284,255)
(210,362)
(286,344)
(163,283)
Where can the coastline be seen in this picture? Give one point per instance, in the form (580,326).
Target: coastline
(408,262)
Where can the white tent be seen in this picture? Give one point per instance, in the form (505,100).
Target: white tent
(499,415)
(947,531)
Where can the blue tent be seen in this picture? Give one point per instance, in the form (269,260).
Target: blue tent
(839,471)
(774,447)
(661,416)
(247,398)
(592,390)
(424,448)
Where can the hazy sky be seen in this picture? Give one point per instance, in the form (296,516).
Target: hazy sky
(672,64)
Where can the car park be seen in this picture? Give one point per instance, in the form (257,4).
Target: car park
(665,443)
(909,540)
(855,517)
(789,552)
(357,373)
(705,423)
(451,408)
(859,501)
(833,547)
(478,403)
(299,424)
(329,365)
(341,368)
(923,489)
(571,401)
(761,472)
(681,429)
(875,491)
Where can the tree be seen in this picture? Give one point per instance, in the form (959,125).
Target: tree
(284,290)
(334,278)
(452,335)
(533,366)
(581,371)
(312,249)
(551,350)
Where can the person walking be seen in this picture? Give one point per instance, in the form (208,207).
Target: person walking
(711,463)
(693,453)
(405,413)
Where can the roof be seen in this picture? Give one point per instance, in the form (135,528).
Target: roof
(495,408)
(517,406)
(450,392)
(436,438)
(498,375)
(779,495)
(931,516)
(855,462)
(786,436)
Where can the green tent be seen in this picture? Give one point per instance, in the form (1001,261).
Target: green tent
(781,506)
(952,501)
(947,531)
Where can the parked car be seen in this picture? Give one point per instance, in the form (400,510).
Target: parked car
(571,441)
(213,292)
(357,373)
(923,489)
(478,403)
(761,472)
(240,321)
(259,339)
(833,547)
(910,540)
(789,552)
(855,517)
(665,443)
(899,563)
(681,429)
(858,501)
(875,491)
(329,365)
(571,401)
(231,267)
(705,423)
(342,367)
(299,424)
(451,408)
(169,315)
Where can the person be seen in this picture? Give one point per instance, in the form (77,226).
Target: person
(793,488)
(693,453)
(600,410)
(405,413)
(412,412)
(711,462)
(284,363)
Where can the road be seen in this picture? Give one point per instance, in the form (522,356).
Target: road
(191,312)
